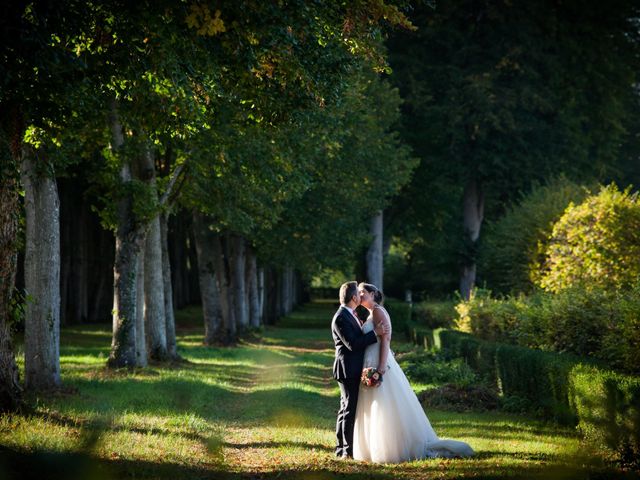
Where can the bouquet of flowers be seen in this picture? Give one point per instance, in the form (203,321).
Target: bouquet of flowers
(371,377)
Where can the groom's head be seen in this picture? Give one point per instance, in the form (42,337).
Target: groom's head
(349,294)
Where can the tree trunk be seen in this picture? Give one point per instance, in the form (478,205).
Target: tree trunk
(172,348)
(209,292)
(129,241)
(154,318)
(222,268)
(42,275)
(10,390)
(141,344)
(473,214)
(261,295)
(254,292)
(286,291)
(238,275)
(374,254)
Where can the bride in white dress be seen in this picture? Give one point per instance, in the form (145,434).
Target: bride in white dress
(390,425)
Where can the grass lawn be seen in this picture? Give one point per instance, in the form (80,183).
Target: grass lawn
(263,409)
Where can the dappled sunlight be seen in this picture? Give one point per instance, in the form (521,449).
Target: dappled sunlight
(285,348)
(264,408)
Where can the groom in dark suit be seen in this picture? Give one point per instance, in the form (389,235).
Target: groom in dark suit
(350,344)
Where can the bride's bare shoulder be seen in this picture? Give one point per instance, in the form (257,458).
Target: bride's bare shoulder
(380,315)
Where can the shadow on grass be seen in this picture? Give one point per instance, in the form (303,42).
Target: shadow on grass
(503,432)
(15,464)
(216,402)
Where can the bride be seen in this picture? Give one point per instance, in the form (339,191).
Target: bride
(390,425)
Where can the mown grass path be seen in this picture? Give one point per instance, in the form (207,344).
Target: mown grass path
(263,409)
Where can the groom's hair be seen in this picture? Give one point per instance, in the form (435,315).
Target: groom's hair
(347,291)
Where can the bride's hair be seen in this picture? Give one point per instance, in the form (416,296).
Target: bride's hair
(378,296)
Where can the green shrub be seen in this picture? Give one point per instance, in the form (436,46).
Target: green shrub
(460,398)
(603,404)
(428,367)
(400,313)
(576,320)
(512,250)
(494,319)
(596,243)
(608,407)
(516,404)
(541,377)
(592,322)
(434,314)
(423,336)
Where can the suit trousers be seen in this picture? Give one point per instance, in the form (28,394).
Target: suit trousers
(349,389)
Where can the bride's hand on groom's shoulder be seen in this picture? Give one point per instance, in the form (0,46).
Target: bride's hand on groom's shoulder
(382,329)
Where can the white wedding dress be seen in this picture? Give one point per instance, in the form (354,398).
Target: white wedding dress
(391,426)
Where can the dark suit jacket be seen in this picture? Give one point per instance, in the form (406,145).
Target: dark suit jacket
(350,344)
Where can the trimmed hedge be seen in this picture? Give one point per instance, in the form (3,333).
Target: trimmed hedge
(608,408)
(604,405)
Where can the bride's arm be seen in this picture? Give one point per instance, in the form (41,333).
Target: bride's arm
(380,318)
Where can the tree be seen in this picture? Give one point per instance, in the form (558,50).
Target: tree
(358,165)
(10,389)
(595,243)
(512,254)
(32,99)
(499,95)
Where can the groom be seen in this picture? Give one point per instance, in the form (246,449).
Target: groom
(350,344)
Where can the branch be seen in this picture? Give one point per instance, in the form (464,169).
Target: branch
(171,185)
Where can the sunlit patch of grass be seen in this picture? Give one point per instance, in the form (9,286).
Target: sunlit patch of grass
(265,408)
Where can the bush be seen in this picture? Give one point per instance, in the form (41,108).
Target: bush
(495,319)
(595,243)
(428,367)
(512,250)
(460,398)
(604,405)
(434,314)
(538,376)
(608,407)
(594,323)
(400,313)
(576,320)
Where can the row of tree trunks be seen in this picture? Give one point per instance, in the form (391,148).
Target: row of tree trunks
(209,289)
(88,248)
(280,290)
(10,390)
(42,273)
(233,287)
(183,259)
(86,251)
